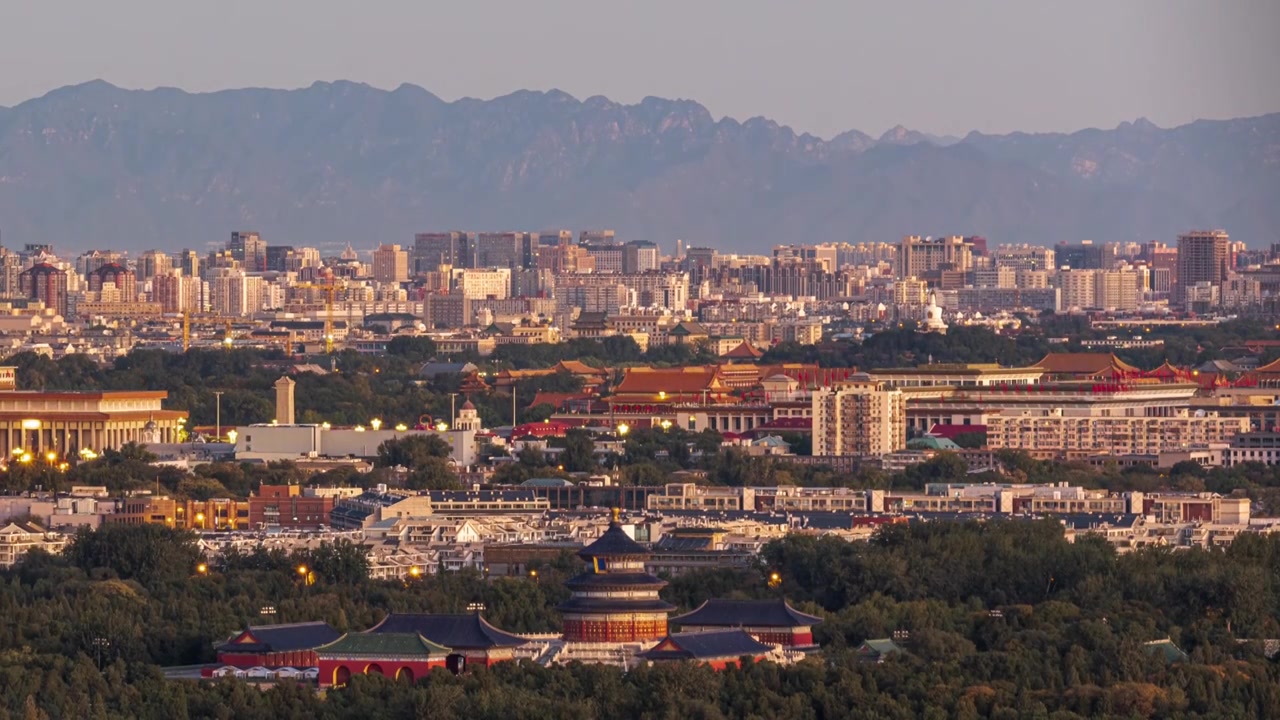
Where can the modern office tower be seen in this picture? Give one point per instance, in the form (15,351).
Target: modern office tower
(153,263)
(189,263)
(640,256)
(860,418)
(499,250)
(390,264)
(1086,255)
(431,250)
(249,248)
(918,256)
(277,257)
(1203,256)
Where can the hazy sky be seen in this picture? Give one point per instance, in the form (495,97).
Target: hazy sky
(822,67)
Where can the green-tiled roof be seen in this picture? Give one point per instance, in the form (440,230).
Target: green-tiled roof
(880,646)
(383,645)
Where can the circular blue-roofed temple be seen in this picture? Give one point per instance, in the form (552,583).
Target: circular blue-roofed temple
(615,599)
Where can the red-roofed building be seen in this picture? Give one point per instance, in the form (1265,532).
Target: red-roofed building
(644,389)
(1085,366)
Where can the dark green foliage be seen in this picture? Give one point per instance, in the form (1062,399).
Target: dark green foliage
(1066,642)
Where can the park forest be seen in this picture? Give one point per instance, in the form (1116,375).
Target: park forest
(1002,619)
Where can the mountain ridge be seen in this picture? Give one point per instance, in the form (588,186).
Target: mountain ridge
(95,165)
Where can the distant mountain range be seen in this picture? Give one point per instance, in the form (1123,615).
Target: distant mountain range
(94,165)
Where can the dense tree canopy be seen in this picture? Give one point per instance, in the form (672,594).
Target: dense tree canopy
(995,620)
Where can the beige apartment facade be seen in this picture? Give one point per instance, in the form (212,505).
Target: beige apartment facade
(859,418)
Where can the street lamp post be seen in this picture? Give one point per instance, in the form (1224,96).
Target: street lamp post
(217,394)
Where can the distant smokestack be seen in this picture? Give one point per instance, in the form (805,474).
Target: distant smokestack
(284,401)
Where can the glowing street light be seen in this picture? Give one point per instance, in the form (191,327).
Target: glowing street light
(202,569)
(88,454)
(623,428)
(325,425)
(231,436)
(774,580)
(666,424)
(51,457)
(415,571)
(442,426)
(401,427)
(25,458)
(359,428)
(18,451)
(376,424)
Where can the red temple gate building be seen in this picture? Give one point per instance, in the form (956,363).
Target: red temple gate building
(769,621)
(469,637)
(403,656)
(276,646)
(615,600)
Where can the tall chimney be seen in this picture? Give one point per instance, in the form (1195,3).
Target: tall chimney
(284,401)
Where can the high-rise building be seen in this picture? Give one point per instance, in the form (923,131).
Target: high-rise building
(1079,288)
(235,293)
(249,248)
(390,264)
(153,263)
(431,250)
(476,284)
(1117,289)
(859,418)
(1086,255)
(640,256)
(46,283)
(499,250)
(277,256)
(1203,256)
(608,256)
(114,274)
(178,293)
(10,269)
(189,263)
(919,256)
(94,259)
(1025,257)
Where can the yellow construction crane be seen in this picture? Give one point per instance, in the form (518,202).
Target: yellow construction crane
(328,318)
(228,337)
